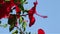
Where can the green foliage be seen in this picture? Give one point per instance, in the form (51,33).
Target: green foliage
(21,33)
(11,28)
(26,11)
(7,0)
(5,25)
(22,1)
(24,25)
(21,7)
(15,32)
(12,20)
(15,1)
(21,19)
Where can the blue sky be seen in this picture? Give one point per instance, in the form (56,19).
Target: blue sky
(50,25)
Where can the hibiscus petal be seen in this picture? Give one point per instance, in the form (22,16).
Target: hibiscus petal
(32,21)
(31,12)
(41,31)
(1,1)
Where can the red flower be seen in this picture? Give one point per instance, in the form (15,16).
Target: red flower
(5,8)
(32,21)
(18,14)
(1,1)
(31,12)
(41,31)
(17,8)
(33,9)
(18,11)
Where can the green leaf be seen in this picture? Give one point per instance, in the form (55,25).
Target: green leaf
(21,19)
(20,32)
(25,11)
(24,25)
(22,1)
(12,19)
(24,29)
(11,28)
(15,1)
(21,7)
(7,0)
(5,25)
(15,32)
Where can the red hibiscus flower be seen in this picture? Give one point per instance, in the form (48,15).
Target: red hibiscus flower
(6,8)
(17,8)
(41,31)
(32,20)
(31,12)
(1,1)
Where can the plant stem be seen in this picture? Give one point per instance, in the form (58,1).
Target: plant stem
(20,30)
